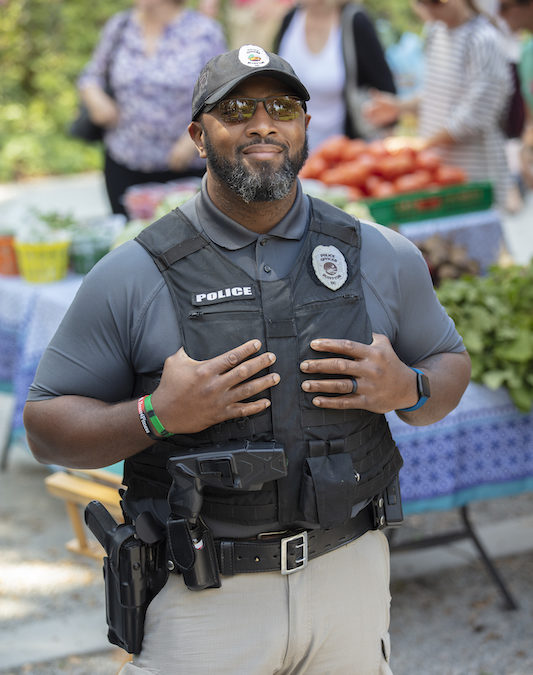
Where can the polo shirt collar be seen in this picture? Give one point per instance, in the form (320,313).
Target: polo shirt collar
(230,235)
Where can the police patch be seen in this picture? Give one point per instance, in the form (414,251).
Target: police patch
(223,295)
(330,266)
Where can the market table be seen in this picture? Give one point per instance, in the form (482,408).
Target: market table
(30,313)
(480,232)
(482,450)
(447,464)
(29,317)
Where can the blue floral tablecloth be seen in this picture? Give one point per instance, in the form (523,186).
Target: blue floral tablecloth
(29,316)
(483,449)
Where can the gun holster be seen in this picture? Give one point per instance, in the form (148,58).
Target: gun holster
(134,573)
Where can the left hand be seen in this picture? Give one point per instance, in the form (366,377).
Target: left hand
(384,383)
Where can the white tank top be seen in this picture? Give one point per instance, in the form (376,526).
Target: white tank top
(323,74)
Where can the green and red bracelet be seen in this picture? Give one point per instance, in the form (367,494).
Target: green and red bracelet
(149,419)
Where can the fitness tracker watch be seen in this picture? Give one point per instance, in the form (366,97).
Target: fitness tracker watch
(422,386)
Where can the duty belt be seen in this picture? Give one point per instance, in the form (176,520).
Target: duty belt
(289,553)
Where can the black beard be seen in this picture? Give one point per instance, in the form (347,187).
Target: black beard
(264,184)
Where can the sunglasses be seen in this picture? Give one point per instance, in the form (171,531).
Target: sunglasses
(241,108)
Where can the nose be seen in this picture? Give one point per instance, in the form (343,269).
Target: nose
(261,122)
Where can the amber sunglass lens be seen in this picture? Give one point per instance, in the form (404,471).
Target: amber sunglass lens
(283,108)
(237,109)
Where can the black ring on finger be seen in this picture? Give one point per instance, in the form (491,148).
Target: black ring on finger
(354,385)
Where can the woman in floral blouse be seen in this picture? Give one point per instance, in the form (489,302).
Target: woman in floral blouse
(152,56)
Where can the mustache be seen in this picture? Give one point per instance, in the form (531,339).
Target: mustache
(263,141)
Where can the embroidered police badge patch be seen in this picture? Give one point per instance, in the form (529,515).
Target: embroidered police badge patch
(330,266)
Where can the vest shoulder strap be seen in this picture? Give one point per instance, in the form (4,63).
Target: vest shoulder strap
(171,238)
(335,222)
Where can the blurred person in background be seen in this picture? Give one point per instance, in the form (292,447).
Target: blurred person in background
(158,48)
(465,94)
(518,15)
(248,21)
(334,48)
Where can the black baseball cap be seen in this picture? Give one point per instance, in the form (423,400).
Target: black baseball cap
(225,71)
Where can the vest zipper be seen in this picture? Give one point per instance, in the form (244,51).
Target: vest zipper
(199,313)
(347,296)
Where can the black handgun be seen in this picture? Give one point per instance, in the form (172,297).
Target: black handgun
(134,572)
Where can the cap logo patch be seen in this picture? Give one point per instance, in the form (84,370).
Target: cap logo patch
(253,56)
(330,266)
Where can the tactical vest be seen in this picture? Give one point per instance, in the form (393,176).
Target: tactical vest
(336,458)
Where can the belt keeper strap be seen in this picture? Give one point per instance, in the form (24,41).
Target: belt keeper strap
(227,557)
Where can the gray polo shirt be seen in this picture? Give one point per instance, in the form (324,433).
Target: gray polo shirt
(122,321)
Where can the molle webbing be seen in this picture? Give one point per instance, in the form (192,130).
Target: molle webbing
(328,451)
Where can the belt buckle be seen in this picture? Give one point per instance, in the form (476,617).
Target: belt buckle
(300,562)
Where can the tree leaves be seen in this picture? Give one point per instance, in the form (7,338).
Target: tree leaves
(43,46)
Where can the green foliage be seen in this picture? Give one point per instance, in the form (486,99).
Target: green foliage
(392,19)
(494,315)
(55,220)
(44,44)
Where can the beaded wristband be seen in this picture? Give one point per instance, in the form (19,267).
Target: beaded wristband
(153,419)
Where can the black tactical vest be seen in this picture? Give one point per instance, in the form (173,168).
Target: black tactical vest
(335,458)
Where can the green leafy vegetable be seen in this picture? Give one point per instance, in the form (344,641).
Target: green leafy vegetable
(494,315)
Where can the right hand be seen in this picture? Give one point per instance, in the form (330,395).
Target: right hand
(103,109)
(194,395)
(106,113)
(381,109)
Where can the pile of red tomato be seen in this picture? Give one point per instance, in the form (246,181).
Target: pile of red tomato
(378,169)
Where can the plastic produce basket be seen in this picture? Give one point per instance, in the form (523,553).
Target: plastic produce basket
(8,257)
(437,203)
(44,261)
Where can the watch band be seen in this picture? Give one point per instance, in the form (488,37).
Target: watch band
(422,385)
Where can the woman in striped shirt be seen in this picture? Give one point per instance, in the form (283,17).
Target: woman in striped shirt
(467,84)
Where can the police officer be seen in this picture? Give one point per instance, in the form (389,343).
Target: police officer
(256,314)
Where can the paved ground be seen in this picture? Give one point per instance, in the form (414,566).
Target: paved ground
(447,617)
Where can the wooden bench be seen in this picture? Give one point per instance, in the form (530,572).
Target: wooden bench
(77,488)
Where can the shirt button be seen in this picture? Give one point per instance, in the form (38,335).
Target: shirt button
(267,269)
(262,242)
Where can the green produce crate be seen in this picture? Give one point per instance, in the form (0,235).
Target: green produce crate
(434,203)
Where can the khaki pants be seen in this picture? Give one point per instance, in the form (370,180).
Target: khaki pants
(331,617)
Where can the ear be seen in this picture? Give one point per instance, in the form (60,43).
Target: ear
(197,134)
(307,119)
